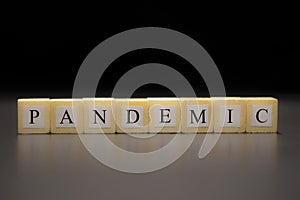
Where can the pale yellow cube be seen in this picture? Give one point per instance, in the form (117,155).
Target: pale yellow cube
(164,115)
(196,115)
(98,115)
(66,116)
(33,116)
(261,114)
(229,114)
(132,115)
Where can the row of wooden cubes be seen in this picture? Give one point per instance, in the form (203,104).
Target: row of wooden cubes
(143,115)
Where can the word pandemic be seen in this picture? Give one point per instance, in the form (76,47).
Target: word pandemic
(148,115)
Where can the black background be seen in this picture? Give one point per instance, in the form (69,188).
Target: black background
(256,49)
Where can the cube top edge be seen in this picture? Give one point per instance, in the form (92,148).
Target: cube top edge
(163,98)
(225,98)
(261,98)
(33,99)
(65,100)
(131,99)
(194,98)
(97,99)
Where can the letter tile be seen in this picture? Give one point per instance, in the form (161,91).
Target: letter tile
(66,116)
(196,115)
(33,116)
(262,114)
(229,114)
(98,115)
(165,115)
(132,115)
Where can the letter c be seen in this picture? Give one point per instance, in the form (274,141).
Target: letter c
(257,115)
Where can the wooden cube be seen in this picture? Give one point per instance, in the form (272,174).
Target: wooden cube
(66,116)
(196,115)
(229,114)
(262,114)
(164,115)
(98,115)
(132,115)
(33,116)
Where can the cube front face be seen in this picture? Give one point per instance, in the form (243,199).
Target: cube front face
(196,115)
(164,115)
(66,116)
(262,115)
(98,115)
(229,114)
(132,115)
(33,116)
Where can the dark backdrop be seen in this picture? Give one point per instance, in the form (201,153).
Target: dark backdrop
(256,50)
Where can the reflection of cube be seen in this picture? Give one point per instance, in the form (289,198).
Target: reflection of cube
(66,116)
(33,116)
(98,115)
(132,115)
(229,114)
(164,115)
(196,115)
(262,114)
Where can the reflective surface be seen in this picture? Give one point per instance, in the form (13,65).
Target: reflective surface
(241,166)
